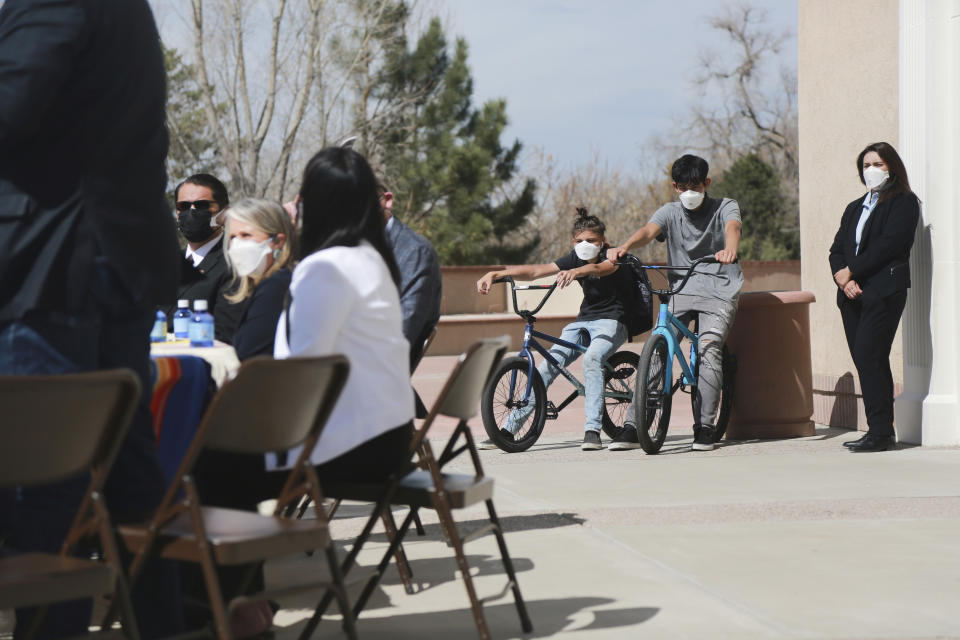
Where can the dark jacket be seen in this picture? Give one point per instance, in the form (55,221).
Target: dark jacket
(82,169)
(420,285)
(882,265)
(261,312)
(211,280)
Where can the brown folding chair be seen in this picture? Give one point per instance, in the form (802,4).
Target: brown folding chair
(271,405)
(416,487)
(56,427)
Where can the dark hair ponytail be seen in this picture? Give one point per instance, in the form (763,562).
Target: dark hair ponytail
(586,221)
(341,206)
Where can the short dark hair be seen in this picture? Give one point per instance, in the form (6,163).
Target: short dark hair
(341,206)
(216,187)
(898,182)
(689,169)
(586,221)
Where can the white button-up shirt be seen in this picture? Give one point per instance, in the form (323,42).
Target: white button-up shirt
(869,204)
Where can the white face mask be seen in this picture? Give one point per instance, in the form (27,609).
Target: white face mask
(249,257)
(586,250)
(874,177)
(691,199)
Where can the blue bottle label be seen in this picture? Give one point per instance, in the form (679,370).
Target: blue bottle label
(201,333)
(181,327)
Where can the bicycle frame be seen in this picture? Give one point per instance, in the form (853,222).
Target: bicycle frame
(530,345)
(666,321)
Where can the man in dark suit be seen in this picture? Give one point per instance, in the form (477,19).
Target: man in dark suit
(204,274)
(420,283)
(87,244)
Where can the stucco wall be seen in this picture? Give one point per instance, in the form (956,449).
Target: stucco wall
(848,97)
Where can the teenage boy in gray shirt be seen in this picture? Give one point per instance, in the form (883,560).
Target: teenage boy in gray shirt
(697,226)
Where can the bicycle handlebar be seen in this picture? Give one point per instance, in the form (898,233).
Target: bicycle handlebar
(526,313)
(689,269)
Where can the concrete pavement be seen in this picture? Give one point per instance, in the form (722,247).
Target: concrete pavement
(761,539)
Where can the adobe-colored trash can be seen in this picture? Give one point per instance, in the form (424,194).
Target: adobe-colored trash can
(770,338)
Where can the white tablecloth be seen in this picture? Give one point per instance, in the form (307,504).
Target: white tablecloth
(221,356)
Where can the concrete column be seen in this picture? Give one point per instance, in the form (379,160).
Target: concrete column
(928,411)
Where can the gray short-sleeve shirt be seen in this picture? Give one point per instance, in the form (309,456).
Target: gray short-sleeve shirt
(694,234)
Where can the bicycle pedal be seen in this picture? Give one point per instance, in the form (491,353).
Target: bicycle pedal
(552,412)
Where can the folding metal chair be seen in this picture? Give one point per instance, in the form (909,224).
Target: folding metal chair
(425,485)
(56,427)
(271,405)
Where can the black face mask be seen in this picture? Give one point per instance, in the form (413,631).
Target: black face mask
(194,224)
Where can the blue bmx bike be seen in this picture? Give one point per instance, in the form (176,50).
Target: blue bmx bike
(656,383)
(516,384)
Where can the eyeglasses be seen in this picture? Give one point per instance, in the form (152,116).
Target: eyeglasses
(199,205)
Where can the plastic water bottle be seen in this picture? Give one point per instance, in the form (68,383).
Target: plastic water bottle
(201,325)
(159,331)
(181,319)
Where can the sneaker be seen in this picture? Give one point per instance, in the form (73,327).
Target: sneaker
(703,441)
(591,441)
(627,439)
(490,444)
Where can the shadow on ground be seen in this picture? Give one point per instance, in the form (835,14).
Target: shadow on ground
(549,618)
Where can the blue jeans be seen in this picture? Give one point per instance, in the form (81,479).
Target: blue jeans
(604,337)
(110,332)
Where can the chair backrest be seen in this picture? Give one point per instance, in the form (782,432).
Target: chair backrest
(460,396)
(59,425)
(274,405)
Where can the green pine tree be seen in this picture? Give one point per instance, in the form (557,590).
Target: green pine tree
(453,179)
(769,231)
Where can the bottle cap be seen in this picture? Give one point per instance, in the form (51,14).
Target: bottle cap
(183,304)
(200,305)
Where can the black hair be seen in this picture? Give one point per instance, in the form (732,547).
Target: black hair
(586,221)
(216,187)
(689,170)
(897,183)
(341,206)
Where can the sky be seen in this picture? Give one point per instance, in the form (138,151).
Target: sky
(594,77)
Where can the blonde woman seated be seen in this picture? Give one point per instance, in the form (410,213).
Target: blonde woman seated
(261,251)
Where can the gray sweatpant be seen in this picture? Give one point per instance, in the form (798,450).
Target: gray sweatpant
(715,317)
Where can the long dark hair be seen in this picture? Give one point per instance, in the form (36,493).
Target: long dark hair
(897,183)
(341,207)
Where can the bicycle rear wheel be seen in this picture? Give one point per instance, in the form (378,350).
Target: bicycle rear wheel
(654,400)
(503,395)
(620,378)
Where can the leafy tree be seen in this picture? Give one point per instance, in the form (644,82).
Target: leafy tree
(454,181)
(769,228)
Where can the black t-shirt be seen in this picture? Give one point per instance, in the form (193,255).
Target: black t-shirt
(601,296)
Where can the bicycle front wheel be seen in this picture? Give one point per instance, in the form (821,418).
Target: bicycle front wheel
(619,381)
(654,399)
(504,395)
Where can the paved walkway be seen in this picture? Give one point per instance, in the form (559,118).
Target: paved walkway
(762,539)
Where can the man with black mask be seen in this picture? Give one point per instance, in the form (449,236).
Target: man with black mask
(205,274)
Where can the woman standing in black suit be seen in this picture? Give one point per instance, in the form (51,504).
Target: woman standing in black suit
(869,260)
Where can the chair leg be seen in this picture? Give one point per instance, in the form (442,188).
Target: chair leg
(348,561)
(525,623)
(340,592)
(403,565)
(442,508)
(374,580)
(418,524)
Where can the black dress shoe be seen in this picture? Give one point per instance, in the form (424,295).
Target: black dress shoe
(873,443)
(854,442)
